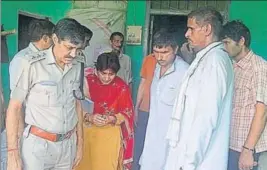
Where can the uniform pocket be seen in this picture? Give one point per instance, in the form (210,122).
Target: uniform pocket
(34,145)
(51,91)
(40,146)
(38,96)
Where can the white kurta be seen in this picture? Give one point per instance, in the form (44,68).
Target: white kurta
(199,129)
(163,92)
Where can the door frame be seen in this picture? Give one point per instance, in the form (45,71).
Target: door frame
(28,14)
(150,12)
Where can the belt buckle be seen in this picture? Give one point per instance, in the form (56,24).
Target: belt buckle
(60,137)
(68,135)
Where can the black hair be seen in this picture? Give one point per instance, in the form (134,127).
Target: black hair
(40,27)
(235,30)
(87,31)
(208,15)
(164,38)
(116,34)
(71,30)
(108,61)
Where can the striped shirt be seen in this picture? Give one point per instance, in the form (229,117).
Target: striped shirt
(250,88)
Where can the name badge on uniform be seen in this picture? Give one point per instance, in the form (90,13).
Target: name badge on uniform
(48,83)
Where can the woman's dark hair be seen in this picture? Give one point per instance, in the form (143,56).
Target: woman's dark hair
(108,61)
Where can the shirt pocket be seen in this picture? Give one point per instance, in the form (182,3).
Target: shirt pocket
(39,147)
(244,94)
(44,94)
(168,95)
(52,92)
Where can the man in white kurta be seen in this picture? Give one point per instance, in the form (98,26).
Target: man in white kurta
(164,86)
(199,130)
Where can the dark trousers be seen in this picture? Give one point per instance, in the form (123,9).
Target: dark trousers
(139,134)
(233,159)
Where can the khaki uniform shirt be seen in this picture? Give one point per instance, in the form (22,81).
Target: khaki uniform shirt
(48,92)
(15,67)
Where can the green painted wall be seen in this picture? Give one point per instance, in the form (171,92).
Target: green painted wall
(255,19)
(254,15)
(57,10)
(9,13)
(136,14)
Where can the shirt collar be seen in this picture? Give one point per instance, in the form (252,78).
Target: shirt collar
(50,58)
(33,48)
(245,61)
(121,55)
(170,70)
(206,49)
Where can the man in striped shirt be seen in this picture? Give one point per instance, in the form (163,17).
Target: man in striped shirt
(248,139)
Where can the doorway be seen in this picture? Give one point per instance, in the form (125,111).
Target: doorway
(24,19)
(172,14)
(176,24)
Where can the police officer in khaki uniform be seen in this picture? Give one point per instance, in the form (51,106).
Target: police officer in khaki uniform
(40,35)
(53,138)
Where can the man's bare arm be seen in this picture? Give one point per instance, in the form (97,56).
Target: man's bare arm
(80,122)
(79,132)
(12,123)
(246,160)
(257,126)
(140,93)
(21,124)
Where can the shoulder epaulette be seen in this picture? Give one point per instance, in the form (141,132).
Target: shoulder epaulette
(32,58)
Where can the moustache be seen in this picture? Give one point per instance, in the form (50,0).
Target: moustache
(70,58)
(119,47)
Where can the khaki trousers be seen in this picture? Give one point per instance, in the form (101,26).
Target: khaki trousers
(41,154)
